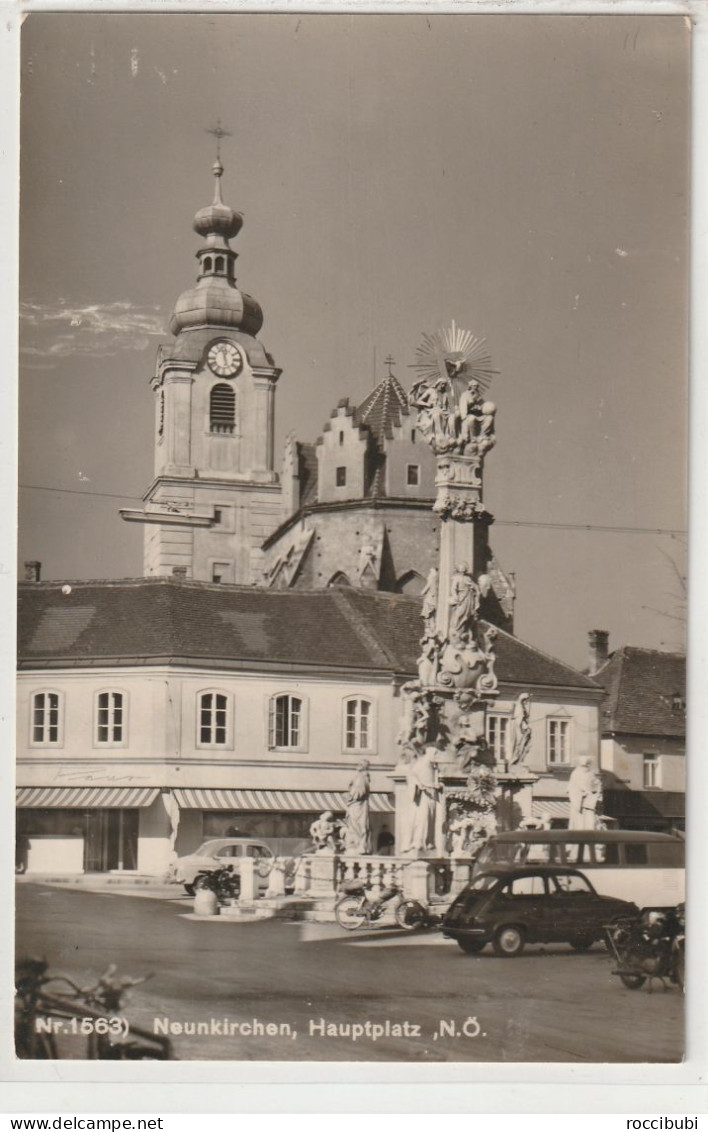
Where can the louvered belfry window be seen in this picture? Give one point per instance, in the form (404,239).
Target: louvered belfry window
(222,409)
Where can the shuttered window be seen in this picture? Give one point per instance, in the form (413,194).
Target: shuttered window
(285,721)
(222,409)
(357,729)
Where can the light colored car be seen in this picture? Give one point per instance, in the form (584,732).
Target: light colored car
(221,851)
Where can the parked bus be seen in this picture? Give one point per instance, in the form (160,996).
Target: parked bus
(648,868)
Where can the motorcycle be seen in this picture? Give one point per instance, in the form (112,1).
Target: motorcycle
(356,907)
(649,946)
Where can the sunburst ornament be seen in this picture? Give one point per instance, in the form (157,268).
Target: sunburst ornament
(456,355)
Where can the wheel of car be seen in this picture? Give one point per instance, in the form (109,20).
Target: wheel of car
(633,982)
(581,942)
(189,889)
(410,915)
(472,946)
(508,940)
(349,912)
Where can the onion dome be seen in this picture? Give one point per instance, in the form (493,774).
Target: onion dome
(217,219)
(216,300)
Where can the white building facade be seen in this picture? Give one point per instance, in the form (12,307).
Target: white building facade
(155,713)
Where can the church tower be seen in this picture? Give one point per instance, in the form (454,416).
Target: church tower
(215,496)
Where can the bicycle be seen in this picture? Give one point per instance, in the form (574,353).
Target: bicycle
(355,908)
(91,1012)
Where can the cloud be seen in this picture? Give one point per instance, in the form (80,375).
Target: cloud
(60,330)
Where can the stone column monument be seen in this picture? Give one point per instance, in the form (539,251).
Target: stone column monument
(445,781)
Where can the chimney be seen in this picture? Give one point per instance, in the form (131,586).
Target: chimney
(32,571)
(599,645)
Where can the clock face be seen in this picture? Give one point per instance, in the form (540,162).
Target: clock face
(224,359)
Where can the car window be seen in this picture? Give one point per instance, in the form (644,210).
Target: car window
(257,851)
(574,884)
(635,854)
(230,851)
(525,886)
(483,882)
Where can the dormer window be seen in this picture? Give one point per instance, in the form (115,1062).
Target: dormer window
(678,703)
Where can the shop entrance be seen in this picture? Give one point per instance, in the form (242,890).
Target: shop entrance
(110,840)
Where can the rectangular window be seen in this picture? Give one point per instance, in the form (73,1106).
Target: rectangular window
(651,772)
(357,725)
(109,719)
(220,572)
(218,515)
(45,718)
(558,741)
(284,722)
(413,475)
(341,477)
(213,720)
(498,736)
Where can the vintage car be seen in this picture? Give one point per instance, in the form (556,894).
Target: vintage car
(220,851)
(546,904)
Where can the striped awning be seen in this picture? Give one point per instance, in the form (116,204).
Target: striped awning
(85,797)
(309,801)
(551,808)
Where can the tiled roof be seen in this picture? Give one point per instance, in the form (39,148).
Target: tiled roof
(382,410)
(641,685)
(136,620)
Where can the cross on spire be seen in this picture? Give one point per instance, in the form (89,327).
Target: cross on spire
(390,362)
(218,132)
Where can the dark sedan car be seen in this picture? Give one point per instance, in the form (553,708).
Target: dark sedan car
(512,907)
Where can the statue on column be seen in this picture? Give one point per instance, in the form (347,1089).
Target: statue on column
(423,783)
(429,593)
(357,827)
(521,729)
(469,414)
(464,604)
(429,660)
(585,795)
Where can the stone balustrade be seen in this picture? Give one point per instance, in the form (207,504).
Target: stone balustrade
(321,875)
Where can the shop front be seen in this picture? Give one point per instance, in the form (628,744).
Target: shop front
(79,829)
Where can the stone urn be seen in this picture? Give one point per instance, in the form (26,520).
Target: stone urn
(206,902)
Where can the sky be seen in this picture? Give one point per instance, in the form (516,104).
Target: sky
(526,176)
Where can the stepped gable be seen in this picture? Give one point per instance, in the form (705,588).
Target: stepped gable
(151,620)
(642,686)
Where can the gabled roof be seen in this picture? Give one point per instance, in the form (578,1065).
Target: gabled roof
(641,687)
(150,619)
(382,410)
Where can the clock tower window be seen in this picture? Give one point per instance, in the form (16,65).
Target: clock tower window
(222,409)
